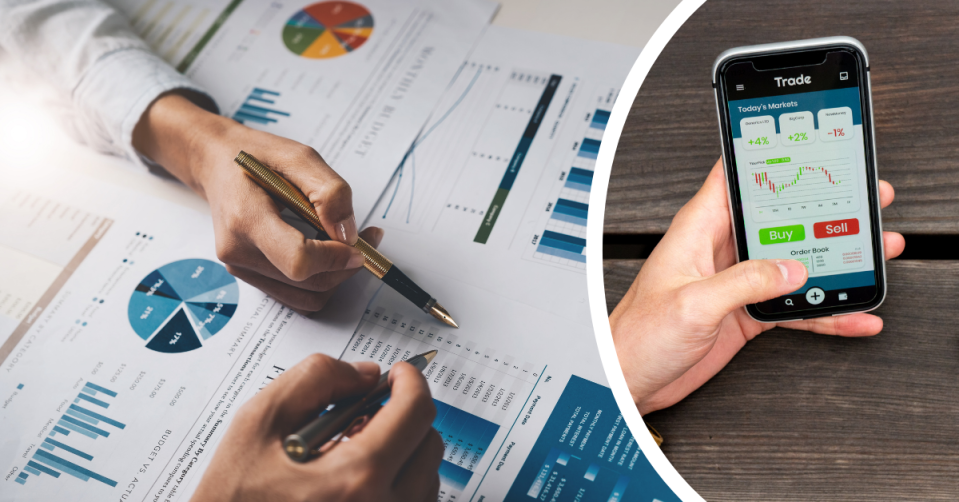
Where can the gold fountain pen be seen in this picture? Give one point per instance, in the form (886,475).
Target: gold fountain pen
(374,261)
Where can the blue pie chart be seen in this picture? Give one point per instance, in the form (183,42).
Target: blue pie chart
(180,306)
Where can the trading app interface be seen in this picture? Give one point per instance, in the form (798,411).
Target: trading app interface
(800,159)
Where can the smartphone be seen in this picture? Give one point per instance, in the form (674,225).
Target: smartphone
(800,162)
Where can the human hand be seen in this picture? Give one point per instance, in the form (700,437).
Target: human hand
(395,457)
(682,319)
(257,246)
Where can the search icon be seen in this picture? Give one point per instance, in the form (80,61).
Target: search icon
(789,302)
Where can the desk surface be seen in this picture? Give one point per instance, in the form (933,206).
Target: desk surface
(797,416)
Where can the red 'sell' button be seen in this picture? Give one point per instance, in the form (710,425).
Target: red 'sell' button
(836,228)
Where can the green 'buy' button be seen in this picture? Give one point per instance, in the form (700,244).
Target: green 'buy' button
(777,235)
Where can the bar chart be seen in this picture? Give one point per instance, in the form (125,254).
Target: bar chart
(519,155)
(258,108)
(563,240)
(55,457)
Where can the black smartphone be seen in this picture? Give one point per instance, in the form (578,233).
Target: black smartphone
(799,155)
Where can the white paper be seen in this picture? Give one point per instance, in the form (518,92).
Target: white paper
(175,29)
(436,205)
(88,332)
(523,405)
(524,360)
(360,109)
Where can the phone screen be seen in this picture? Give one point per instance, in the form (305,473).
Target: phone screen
(800,153)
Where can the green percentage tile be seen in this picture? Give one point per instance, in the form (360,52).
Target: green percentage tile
(762,140)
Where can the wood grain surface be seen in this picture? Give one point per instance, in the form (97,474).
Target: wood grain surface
(797,416)
(671,137)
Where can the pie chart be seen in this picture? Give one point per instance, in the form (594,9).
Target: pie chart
(180,306)
(328,29)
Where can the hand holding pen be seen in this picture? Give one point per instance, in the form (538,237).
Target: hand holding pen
(395,457)
(286,193)
(252,240)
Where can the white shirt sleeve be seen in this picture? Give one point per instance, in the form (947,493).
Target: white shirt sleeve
(89,52)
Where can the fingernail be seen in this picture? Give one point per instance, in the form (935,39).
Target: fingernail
(784,270)
(346,230)
(367,369)
(356,261)
(377,236)
(793,271)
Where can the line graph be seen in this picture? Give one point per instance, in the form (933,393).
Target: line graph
(802,189)
(410,154)
(762,179)
(416,192)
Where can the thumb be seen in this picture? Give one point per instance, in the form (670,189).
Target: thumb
(302,391)
(751,281)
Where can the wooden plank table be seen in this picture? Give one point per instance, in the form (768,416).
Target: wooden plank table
(797,416)
(672,138)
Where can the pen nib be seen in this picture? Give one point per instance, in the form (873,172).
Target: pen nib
(440,313)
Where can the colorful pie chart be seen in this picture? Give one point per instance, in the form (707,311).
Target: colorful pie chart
(180,306)
(328,29)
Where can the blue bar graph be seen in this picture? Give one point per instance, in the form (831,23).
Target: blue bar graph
(570,212)
(77,429)
(93,386)
(41,468)
(78,423)
(262,95)
(579,179)
(81,416)
(466,437)
(82,421)
(97,416)
(71,468)
(50,444)
(589,148)
(253,108)
(93,400)
(562,246)
(600,119)
(567,219)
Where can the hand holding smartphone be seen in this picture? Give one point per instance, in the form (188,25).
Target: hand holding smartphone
(799,158)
